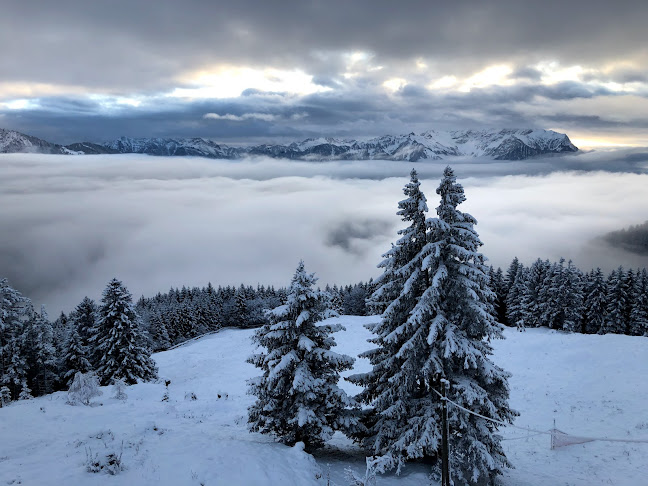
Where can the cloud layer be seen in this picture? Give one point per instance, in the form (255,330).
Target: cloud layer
(99,43)
(80,71)
(72,223)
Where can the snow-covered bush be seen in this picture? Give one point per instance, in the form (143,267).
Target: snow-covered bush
(369,477)
(119,388)
(110,463)
(84,387)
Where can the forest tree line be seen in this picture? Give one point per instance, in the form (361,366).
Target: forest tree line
(39,356)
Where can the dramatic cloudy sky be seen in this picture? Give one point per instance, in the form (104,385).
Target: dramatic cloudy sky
(75,70)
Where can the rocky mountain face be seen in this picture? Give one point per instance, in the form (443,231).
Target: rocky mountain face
(12,142)
(507,144)
(494,144)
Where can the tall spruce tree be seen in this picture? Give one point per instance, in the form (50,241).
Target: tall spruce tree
(40,353)
(617,303)
(571,298)
(517,300)
(298,398)
(639,303)
(511,273)
(118,340)
(438,328)
(498,285)
(537,273)
(398,290)
(412,210)
(84,319)
(76,357)
(595,302)
(14,310)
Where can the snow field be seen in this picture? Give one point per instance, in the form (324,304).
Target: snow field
(592,385)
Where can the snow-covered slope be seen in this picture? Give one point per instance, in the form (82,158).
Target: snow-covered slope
(12,141)
(591,385)
(169,147)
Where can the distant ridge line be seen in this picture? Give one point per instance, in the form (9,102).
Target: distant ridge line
(495,144)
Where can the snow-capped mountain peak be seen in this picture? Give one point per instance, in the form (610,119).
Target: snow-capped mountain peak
(498,144)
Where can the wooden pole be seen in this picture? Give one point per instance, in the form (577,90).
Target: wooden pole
(445,446)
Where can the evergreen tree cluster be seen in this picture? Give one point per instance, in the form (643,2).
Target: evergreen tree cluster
(39,357)
(634,238)
(181,314)
(28,364)
(437,320)
(436,325)
(560,296)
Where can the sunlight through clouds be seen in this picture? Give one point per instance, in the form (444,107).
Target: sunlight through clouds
(231,81)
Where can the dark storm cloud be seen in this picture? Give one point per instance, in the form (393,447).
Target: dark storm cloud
(352,235)
(526,72)
(350,113)
(127,45)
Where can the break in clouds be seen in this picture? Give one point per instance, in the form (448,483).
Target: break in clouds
(69,224)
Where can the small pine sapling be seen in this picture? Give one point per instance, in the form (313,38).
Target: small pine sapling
(119,387)
(5,396)
(25,392)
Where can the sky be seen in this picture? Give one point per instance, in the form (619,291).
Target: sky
(250,71)
(70,224)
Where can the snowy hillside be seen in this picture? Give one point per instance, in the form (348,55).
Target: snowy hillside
(591,385)
(12,141)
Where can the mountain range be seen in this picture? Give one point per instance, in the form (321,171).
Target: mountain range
(499,144)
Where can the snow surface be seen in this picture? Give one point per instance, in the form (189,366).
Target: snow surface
(591,385)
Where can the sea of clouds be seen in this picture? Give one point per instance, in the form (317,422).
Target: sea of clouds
(69,224)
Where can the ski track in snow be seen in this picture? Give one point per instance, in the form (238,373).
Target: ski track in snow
(591,385)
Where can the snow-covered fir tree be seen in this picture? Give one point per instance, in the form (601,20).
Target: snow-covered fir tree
(595,302)
(511,273)
(5,396)
(40,353)
(498,285)
(76,357)
(517,300)
(25,392)
(119,389)
(617,303)
(444,335)
(14,310)
(118,339)
(412,210)
(241,312)
(552,316)
(84,319)
(639,305)
(571,298)
(535,280)
(298,398)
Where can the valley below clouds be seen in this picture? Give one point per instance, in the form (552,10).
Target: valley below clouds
(70,224)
